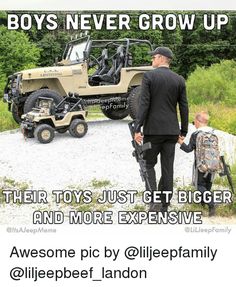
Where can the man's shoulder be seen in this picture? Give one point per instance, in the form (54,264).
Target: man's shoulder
(163,70)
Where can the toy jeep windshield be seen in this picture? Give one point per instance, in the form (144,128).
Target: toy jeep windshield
(102,72)
(47,117)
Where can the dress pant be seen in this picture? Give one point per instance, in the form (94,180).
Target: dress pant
(165,146)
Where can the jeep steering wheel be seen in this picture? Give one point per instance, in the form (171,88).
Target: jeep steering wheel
(94,62)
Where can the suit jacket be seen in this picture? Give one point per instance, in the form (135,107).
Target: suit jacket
(162,90)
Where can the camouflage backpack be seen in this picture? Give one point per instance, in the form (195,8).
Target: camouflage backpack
(207,152)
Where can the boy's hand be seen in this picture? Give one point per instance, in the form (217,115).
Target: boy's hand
(180,140)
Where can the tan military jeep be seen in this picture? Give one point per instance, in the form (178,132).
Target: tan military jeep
(104,72)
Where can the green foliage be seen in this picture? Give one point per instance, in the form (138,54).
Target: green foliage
(17,53)
(52,47)
(202,48)
(215,84)
(6,120)
(100,183)
(11,184)
(221,116)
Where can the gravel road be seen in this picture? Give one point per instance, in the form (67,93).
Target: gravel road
(103,154)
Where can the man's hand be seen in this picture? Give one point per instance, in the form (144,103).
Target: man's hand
(181,139)
(138,137)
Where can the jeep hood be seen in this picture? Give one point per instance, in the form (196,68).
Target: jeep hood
(50,72)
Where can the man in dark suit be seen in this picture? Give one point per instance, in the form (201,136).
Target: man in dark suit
(162,91)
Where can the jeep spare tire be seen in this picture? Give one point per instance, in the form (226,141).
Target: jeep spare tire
(133,100)
(30,102)
(115,111)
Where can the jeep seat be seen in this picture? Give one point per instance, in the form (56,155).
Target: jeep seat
(113,75)
(103,68)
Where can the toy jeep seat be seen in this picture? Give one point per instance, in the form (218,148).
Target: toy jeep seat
(46,106)
(113,75)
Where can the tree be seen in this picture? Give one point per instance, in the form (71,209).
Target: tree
(52,46)
(17,53)
(202,48)
(214,84)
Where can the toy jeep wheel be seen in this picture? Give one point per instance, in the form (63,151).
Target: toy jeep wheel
(133,100)
(78,128)
(44,133)
(32,98)
(115,111)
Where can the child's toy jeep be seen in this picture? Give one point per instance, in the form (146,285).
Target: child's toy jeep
(43,121)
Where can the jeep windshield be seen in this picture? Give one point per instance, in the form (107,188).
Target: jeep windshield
(74,51)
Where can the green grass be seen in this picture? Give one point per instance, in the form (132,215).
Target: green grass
(221,116)
(6,120)
(95,183)
(11,184)
(94,113)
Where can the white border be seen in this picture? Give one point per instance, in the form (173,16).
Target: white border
(101,5)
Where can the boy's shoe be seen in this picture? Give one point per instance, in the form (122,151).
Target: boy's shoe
(212,211)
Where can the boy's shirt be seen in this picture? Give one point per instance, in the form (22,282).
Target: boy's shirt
(192,142)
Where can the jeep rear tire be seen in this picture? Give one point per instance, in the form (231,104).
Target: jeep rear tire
(78,128)
(115,111)
(44,133)
(32,98)
(133,100)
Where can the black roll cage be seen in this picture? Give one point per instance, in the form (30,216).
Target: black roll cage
(126,42)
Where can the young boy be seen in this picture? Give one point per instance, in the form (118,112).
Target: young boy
(202,180)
